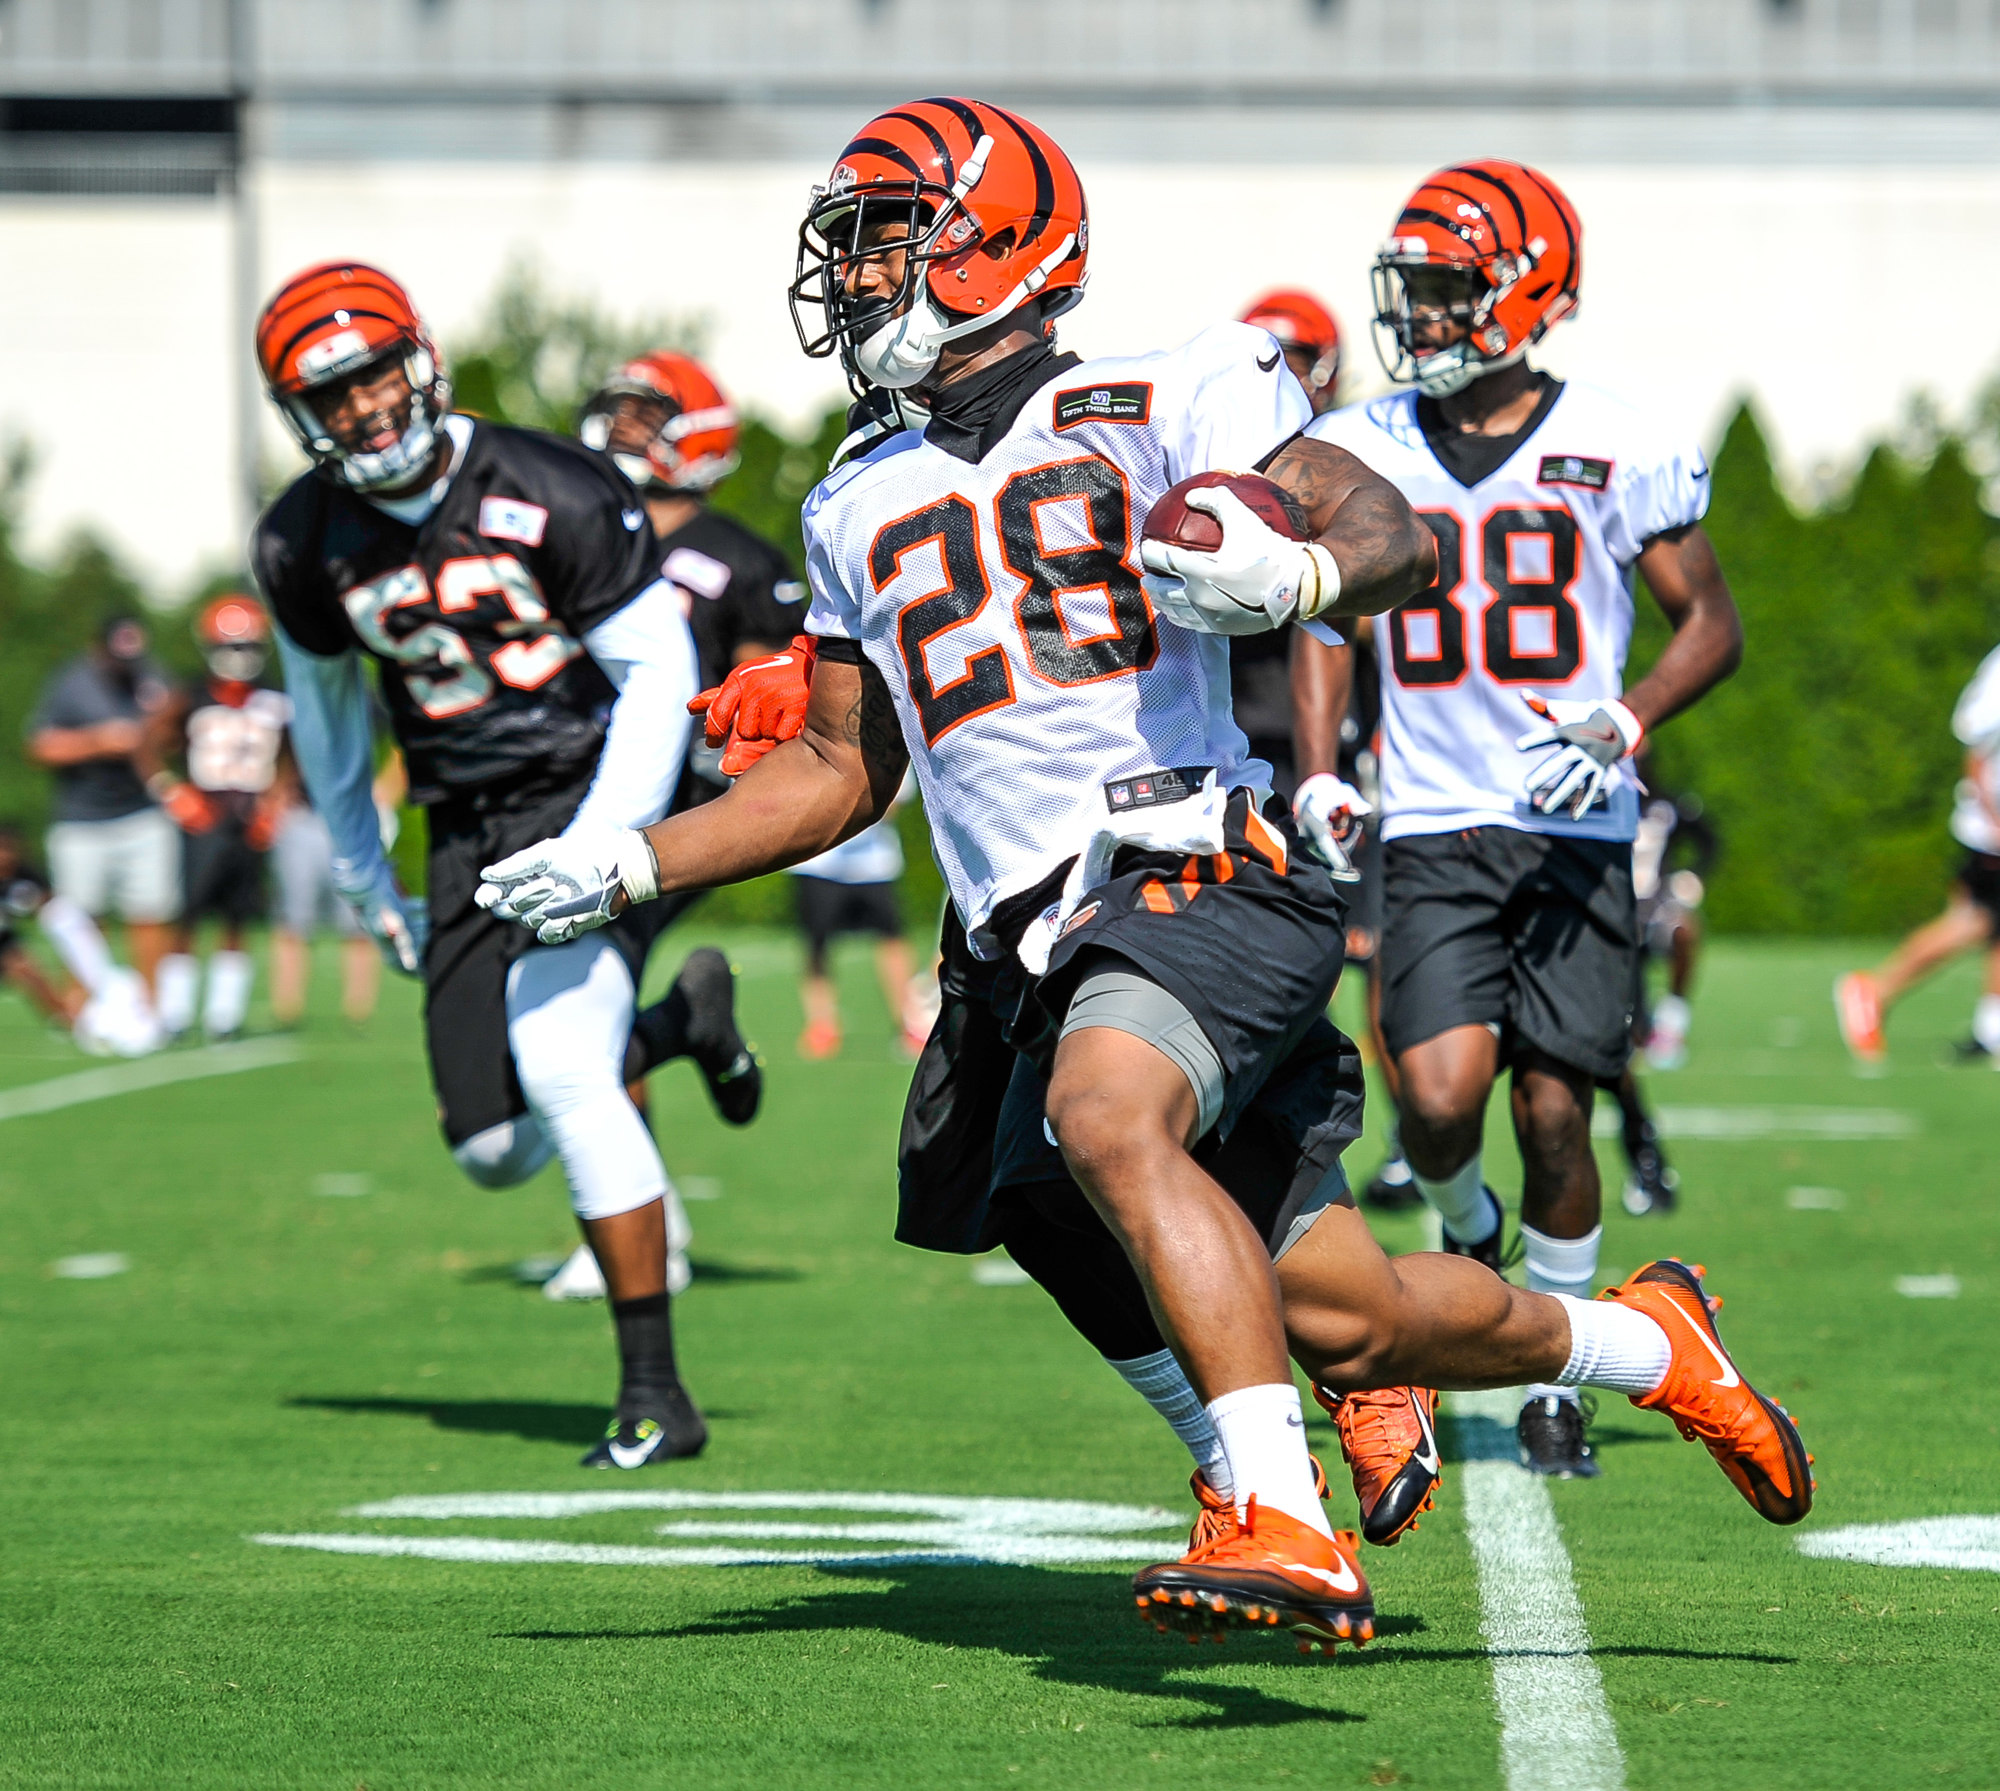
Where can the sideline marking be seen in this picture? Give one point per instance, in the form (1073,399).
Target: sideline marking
(1556,1733)
(937,1530)
(1815,1200)
(94,1267)
(1972,1542)
(1739,1124)
(147,1072)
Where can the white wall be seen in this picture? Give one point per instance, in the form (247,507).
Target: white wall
(1812,289)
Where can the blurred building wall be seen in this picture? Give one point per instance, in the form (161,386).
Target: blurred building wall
(1768,187)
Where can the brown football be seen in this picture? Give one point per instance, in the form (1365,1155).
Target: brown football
(1171,520)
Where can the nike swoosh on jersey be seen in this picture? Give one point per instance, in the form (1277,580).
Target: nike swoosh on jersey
(1264,366)
(1729,1375)
(1343,1581)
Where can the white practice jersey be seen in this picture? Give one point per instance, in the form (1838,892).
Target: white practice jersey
(1976,721)
(1001,601)
(1534,594)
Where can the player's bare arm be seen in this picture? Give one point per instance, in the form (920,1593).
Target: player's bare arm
(1322,679)
(1384,552)
(1682,572)
(836,777)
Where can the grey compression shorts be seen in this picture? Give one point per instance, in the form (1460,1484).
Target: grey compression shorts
(1126,1000)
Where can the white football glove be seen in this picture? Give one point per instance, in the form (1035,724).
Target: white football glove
(565,886)
(1589,736)
(1329,811)
(1254,582)
(399,924)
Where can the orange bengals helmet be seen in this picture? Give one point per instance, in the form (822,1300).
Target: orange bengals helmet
(1299,320)
(990,214)
(694,447)
(234,637)
(324,326)
(1507,250)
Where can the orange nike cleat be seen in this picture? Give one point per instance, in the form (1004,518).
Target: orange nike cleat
(1857,1003)
(1390,1440)
(1753,1440)
(1217,1513)
(1264,1570)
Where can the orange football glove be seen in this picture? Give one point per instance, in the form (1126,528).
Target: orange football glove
(759,705)
(190,810)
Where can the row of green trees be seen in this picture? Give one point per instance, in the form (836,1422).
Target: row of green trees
(1827,764)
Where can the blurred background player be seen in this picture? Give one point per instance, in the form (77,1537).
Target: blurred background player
(1971,917)
(112,848)
(306,902)
(852,889)
(1670,896)
(1509,925)
(231,729)
(536,669)
(104,1007)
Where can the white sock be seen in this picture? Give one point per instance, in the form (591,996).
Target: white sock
(1263,1432)
(176,987)
(1613,1346)
(1460,1201)
(1561,1265)
(229,977)
(1985,1021)
(1163,1384)
(78,942)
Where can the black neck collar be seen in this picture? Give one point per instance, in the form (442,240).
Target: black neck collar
(971,414)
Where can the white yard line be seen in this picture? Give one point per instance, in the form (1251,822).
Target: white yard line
(1748,1124)
(1556,1733)
(146,1072)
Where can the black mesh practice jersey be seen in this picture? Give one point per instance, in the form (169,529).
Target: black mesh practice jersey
(735,586)
(477,614)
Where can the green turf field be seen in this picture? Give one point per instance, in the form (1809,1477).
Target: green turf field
(317,1316)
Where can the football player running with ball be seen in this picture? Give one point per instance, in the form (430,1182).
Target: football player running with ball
(536,670)
(1509,808)
(1132,916)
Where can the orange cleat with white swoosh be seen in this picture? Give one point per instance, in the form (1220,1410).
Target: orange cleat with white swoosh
(1262,1570)
(1753,1439)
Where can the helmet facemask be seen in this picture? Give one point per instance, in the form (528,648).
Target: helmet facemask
(1412,289)
(397,463)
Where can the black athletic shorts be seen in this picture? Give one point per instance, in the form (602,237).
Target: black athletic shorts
(1528,932)
(1979,877)
(828,908)
(1364,900)
(222,874)
(470,953)
(1252,952)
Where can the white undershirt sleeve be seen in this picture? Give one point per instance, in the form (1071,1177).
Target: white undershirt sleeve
(646,651)
(333,739)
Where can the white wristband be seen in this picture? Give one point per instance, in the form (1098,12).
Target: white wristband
(638,867)
(1319,591)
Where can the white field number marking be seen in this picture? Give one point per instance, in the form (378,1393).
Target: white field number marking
(1927,1287)
(1971,1542)
(1556,1732)
(99,1266)
(1815,1200)
(1747,1124)
(148,1072)
(904,1529)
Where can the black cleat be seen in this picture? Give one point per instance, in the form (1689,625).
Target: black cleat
(1972,1051)
(697,1018)
(1489,1249)
(1652,1187)
(1551,1437)
(670,1434)
(1393,1189)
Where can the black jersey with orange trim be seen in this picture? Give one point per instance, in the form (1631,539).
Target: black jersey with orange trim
(477,614)
(738,589)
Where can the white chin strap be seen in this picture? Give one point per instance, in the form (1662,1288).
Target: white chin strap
(395,464)
(1453,369)
(904,350)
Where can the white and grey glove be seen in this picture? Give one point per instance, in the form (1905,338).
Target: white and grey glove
(399,924)
(1589,737)
(565,886)
(1329,812)
(1256,581)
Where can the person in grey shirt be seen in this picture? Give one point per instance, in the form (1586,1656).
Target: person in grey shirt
(111,846)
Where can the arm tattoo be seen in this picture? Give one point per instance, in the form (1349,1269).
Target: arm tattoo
(872,725)
(1386,553)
